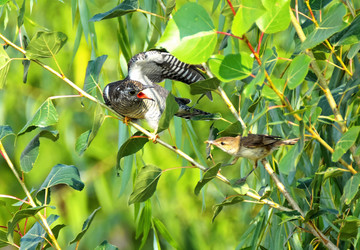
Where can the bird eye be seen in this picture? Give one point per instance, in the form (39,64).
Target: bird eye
(222,143)
(132,92)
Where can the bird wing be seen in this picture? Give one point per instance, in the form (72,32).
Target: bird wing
(256,140)
(154,66)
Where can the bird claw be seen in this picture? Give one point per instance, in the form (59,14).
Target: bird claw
(154,137)
(127,120)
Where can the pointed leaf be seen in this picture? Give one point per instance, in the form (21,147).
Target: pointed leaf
(349,227)
(61,174)
(3,239)
(346,141)
(351,189)
(201,87)
(331,23)
(20,18)
(145,183)
(170,110)
(286,216)
(105,245)
(56,231)
(45,116)
(18,216)
(231,67)
(332,172)
(29,155)
(160,227)
(297,71)
(349,35)
(4,66)
(276,18)
(92,74)
(85,139)
(45,44)
(190,35)
(123,8)
(170,6)
(131,146)
(36,234)
(248,12)
(208,176)
(227,202)
(5,130)
(212,136)
(86,226)
(233,129)
(269,93)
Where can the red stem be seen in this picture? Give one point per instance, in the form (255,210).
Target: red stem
(259,44)
(231,7)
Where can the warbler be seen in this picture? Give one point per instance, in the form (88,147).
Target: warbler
(253,146)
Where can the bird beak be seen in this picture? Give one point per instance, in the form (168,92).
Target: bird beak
(142,95)
(209,142)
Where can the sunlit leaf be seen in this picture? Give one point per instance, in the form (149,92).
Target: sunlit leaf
(3,239)
(331,23)
(131,146)
(20,18)
(144,224)
(269,93)
(239,187)
(45,116)
(208,176)
(332,172)
(123,8)
(18,216)
(56,230)
(30,153)
(276,18)
(4,66)
(61,174)
(170,110)
(190,35)
(85,226)
(92,74)
(227,202)
(160,227)
(233,129)
(36,234)
(248,12)
(5,130)
(45,44)
(170,5)
(297,71)
(288,163)
(351,189)
(286,216)
(346,141)
(145,183)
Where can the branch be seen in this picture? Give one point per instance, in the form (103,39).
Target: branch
(313,229)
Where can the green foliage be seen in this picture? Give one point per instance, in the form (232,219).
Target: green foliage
(284,67)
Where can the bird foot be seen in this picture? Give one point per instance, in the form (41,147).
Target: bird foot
(153,137)
(127,120)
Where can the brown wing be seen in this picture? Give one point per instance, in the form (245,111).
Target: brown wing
(255,140)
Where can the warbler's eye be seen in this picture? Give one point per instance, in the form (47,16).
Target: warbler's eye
(132,92)
(222,143)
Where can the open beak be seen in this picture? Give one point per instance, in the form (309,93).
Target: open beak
(209,142)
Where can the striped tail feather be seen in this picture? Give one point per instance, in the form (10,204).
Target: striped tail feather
(289,141)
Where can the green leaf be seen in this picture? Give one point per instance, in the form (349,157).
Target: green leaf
(61,174)
(286,216)
(131,146)
(36,234)
(227,202)
(297,71)
(145,184)
(190,35)
(5,130)
(241,188)
(29,155)
(208,176)
(45,44)
(270,94)
(21,15)
(288,163)
(234,129)
(351,189)
(349,35)
(276,18)
(318,4)
(248,12)
(105,245)
(45,116)
(123,8)
(85,226)
(170,5)
(18,216)
(202,87)
(3,239)
(346,141)
(349,227)
(56,231)
(332,22)
(231,67)
(170,110)
(85,139)
(160,227)
(4,66)
(332,172)
(92,74)
(144,224)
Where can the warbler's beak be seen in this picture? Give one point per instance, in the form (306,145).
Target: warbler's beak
(209,142)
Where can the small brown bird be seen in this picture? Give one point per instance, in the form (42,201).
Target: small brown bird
(253,146)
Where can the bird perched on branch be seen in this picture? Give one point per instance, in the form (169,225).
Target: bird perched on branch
(135,100)
(253,146)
